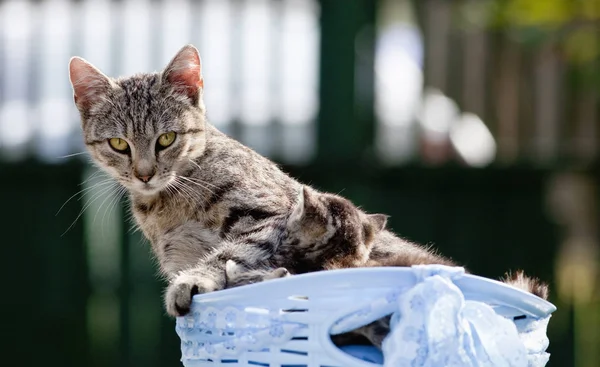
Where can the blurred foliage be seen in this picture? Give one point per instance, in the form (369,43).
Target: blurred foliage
(571,28)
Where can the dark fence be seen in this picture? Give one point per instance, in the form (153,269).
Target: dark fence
(90,296)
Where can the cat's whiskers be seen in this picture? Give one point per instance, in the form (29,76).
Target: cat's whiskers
(95,176)
(108,196)
(84,190)
(72,155)
(182,194)
(199,184)
(202,182)
(122,193)
(113,203)
(94,198)
(174,191)
(200,168)
(195,193)
(187,191)
(115,198)
(169,188)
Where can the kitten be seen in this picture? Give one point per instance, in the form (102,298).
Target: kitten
(324,227)
(321,229)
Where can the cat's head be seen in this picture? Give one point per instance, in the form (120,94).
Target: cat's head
(331,220)
(144,129)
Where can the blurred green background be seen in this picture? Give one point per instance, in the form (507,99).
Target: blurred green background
(475,124)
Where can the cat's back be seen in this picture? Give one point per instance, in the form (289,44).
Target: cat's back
(392,250)
(241,176)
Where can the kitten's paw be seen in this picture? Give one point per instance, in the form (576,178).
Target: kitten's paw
(237,275)
(278,273)
(178,298)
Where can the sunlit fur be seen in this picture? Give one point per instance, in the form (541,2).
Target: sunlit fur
(130,112)
(206,199)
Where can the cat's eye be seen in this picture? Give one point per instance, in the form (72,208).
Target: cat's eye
(166,139)
(119,145)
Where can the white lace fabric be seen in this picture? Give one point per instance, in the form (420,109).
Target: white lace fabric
(435,326)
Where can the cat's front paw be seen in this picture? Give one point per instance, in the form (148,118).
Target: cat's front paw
(178,298)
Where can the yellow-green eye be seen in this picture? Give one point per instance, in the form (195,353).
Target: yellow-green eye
(166,139)
(118,144)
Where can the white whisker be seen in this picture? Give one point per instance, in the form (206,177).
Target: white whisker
(193,190)
(202,181)
(171,190)
(82,191)
(201,185)
(87,205)
(72,155)
(95,176)
(114,194)
(186,191)
(113,204)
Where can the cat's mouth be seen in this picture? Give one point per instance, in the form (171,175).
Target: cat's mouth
(152,187)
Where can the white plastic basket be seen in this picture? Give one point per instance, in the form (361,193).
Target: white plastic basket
(289,322)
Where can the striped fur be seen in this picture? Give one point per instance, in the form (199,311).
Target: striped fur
(210,199)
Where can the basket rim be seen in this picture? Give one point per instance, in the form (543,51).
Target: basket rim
(474,287)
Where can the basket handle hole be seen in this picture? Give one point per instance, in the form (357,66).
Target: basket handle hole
(298,298)
(358,347)
(290,310)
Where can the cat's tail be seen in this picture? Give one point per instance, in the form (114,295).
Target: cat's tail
(519,280)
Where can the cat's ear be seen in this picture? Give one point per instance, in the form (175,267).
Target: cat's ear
(378,221)
(89,84)
(304,204)
(184,73)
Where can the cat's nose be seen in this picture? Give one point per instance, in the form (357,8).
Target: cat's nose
(144,177)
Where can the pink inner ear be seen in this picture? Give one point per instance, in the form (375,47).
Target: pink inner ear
(185,71)
(189,78)
(88,83)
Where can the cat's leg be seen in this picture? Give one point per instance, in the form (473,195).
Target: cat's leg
(210,274)
(187,283)
(181,247)
(237,275)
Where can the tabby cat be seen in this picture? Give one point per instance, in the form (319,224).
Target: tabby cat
(193,190)
(200,198)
